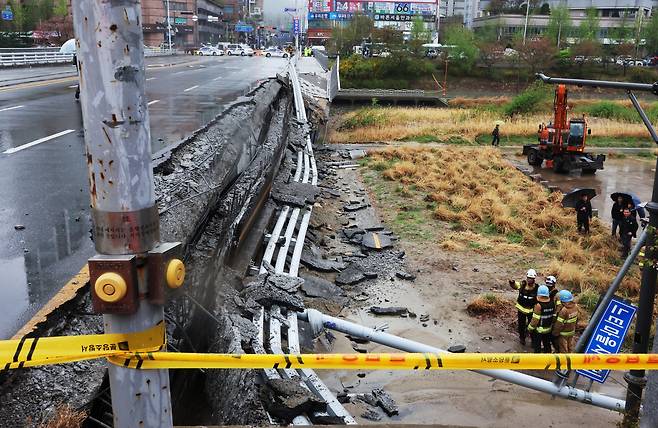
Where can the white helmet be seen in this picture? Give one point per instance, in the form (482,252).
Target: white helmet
(531,274)
(551,281)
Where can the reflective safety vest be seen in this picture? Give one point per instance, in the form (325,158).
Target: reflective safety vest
(527,299)
(569,322)
(546,317)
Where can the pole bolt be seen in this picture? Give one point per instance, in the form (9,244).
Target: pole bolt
(175,275)
(110,287)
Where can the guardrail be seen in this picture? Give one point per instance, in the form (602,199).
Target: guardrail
(43,57)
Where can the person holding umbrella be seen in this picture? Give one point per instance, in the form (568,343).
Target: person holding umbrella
(617,214)
(628,229)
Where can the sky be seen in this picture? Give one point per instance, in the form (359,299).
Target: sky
(274,14)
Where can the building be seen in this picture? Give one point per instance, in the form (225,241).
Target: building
(210,27)
(467,9)
(154,15)
(611,14)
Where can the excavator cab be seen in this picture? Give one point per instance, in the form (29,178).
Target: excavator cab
(576,137)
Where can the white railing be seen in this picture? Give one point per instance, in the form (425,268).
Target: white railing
(42,57)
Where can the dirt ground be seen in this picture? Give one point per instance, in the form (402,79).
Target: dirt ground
(445,283)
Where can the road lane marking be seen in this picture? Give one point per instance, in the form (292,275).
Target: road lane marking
(152,102)
(73,86)
(150,78)
(189,89)
(39,141)
(10,108)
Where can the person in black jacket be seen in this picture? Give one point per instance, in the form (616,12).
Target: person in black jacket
(617,214)
(583,213)
(496,136)
(628,228)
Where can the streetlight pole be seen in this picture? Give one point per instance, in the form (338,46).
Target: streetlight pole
(525,27)
(438,20)
(129,274)
(168,26)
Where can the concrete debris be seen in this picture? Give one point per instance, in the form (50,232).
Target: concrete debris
(376,241)
(352,274)
(385,401)
(351,232)
(313,258)
(367,398)
(19,227)
(359,348)
(351,207)
(268,290)
(388,311)
(357,154)
(325,419)
(359,340)
(371,274)
(295,194)
(405,275)
(343,398)
(314,286)
(457,349)
(286,398)
(424,317)
(371,415)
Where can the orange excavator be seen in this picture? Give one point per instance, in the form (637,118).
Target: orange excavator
(562,142)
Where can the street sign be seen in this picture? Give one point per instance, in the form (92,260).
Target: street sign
(295,25)
(195,18)
(290,9)
(213,18)
(7,14)
(608,335)
(243,28)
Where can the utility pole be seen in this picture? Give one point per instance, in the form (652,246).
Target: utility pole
(525,27)
(438,20)
(168,26)
(129,275)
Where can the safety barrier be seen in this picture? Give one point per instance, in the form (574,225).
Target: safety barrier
(143,351)
(39,57)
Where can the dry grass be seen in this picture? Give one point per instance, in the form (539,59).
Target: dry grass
(495,209)
(487,304)
(401,123)
(66,417)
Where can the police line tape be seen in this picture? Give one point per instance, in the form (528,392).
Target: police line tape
(143,351)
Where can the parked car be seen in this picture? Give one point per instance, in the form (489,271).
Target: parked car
(651,61)
(270,52)
(246,50)
(233,49)
(210,51)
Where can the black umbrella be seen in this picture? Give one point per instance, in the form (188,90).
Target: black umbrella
(632,198)
(570,199)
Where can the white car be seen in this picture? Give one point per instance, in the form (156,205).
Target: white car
(269,52)
(246,50)
(210,51)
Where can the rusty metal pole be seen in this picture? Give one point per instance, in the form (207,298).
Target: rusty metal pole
(127,274)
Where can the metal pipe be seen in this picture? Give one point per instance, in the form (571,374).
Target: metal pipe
(110,54)
(643,115)
(318,321)
(646,87)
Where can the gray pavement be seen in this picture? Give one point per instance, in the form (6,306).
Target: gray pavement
(43,182)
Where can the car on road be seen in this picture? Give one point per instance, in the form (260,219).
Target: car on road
(242,50)
(246,50)
(210,51)
(269,52)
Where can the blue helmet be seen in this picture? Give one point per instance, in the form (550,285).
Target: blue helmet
(565,296)
(542,291)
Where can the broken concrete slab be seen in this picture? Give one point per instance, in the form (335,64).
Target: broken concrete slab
(385,401)
(371,415)
(367,398)
(351,275)
(388,311)
(351,232)
(321,265)
(357,154)
(405,275)
(271,289)
(287,398)
(354,207)
(314,286)
(295,193)
(376,241)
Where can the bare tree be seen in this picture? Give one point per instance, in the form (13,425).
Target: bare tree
(537,53)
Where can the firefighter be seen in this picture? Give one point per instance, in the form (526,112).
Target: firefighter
(564,328)
(551,282)
(496,136)
(541,324)
(628,229)
(583,213)
(526,301)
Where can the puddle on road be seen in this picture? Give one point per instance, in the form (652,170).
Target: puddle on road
(30,280)
(628,174)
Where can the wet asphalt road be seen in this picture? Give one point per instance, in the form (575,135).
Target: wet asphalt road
(43,182)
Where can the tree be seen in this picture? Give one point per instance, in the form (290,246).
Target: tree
(545,9)
(489,52)
(19,14)
(559,24)
(359,29)
(57,29)
(589,27)
(419,36)
(465,51)
(651,34)
(61,8)
(537,54)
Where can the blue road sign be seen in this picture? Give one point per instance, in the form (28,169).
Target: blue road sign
(609,335)
(7,14)
(244,28)
(295,25)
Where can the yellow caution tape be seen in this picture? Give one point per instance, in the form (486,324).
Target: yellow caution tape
(140,351)
(31,352)
(399,361)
